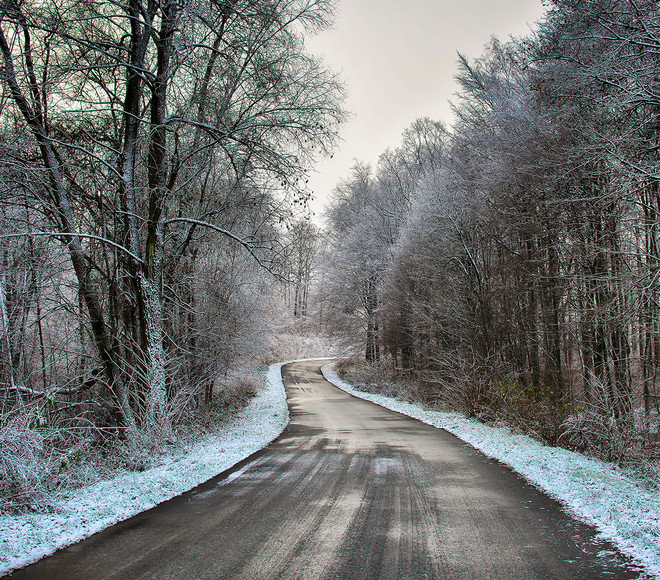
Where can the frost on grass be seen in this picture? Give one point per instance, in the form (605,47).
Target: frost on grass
(596,492)
(27,537)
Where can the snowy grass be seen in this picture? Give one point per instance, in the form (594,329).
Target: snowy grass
(28,537)
(595,492)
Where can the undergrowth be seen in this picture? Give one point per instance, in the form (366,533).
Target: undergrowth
(633,443)
(47,447)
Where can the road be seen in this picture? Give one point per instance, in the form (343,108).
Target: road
(350,490)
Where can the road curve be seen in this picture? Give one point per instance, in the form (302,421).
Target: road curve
(350,490)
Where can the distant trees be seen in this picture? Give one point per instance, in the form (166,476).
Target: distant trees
(355,267)
(304,241)
(522,281)
(366,214)
(152,141)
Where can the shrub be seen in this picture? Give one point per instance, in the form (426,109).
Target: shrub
(25,464)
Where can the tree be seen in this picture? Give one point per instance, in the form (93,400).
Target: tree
(302,250)
(159,126)
(366,216)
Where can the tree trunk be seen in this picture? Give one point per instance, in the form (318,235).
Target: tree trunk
(32,115)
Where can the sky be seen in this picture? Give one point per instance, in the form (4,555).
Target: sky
(398,61)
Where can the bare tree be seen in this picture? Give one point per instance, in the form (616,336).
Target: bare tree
(302,250)
(160,126)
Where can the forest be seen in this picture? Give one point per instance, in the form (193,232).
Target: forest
(153,160)
(508,266)
(156,241)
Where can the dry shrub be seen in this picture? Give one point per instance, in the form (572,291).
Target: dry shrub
(25,464)
(599,434)
(46,446)
(600,430)
(378,377)
(471,397)
(534,409)
(490,391)
(235,394)
(185,402)
(233,390)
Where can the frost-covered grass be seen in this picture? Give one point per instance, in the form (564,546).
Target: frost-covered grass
(28,537)
(595,492)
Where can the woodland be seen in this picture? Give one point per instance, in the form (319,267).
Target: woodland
(508,266)
(153,160)
(156,246)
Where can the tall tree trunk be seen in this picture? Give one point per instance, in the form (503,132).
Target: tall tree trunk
(32,115)
(150,278)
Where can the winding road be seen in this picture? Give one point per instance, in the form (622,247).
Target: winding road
(350,490)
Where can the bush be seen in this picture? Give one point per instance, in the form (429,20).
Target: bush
(234,393)
(378,377)
(25,464)
(600,430)
(595,433)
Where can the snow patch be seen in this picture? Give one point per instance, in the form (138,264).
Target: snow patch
(26,538)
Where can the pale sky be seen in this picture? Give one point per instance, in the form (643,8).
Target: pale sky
(398,61)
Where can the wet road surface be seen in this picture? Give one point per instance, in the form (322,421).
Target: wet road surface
(350,490)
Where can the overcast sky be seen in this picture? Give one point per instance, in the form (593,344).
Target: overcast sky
(398,61)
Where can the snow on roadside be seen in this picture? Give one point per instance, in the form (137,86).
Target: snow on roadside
(593,491)
(26,538)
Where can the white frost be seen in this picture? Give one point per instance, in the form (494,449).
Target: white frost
(28,537)
(595,492)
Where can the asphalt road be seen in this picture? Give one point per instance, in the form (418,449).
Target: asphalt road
(350,490)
